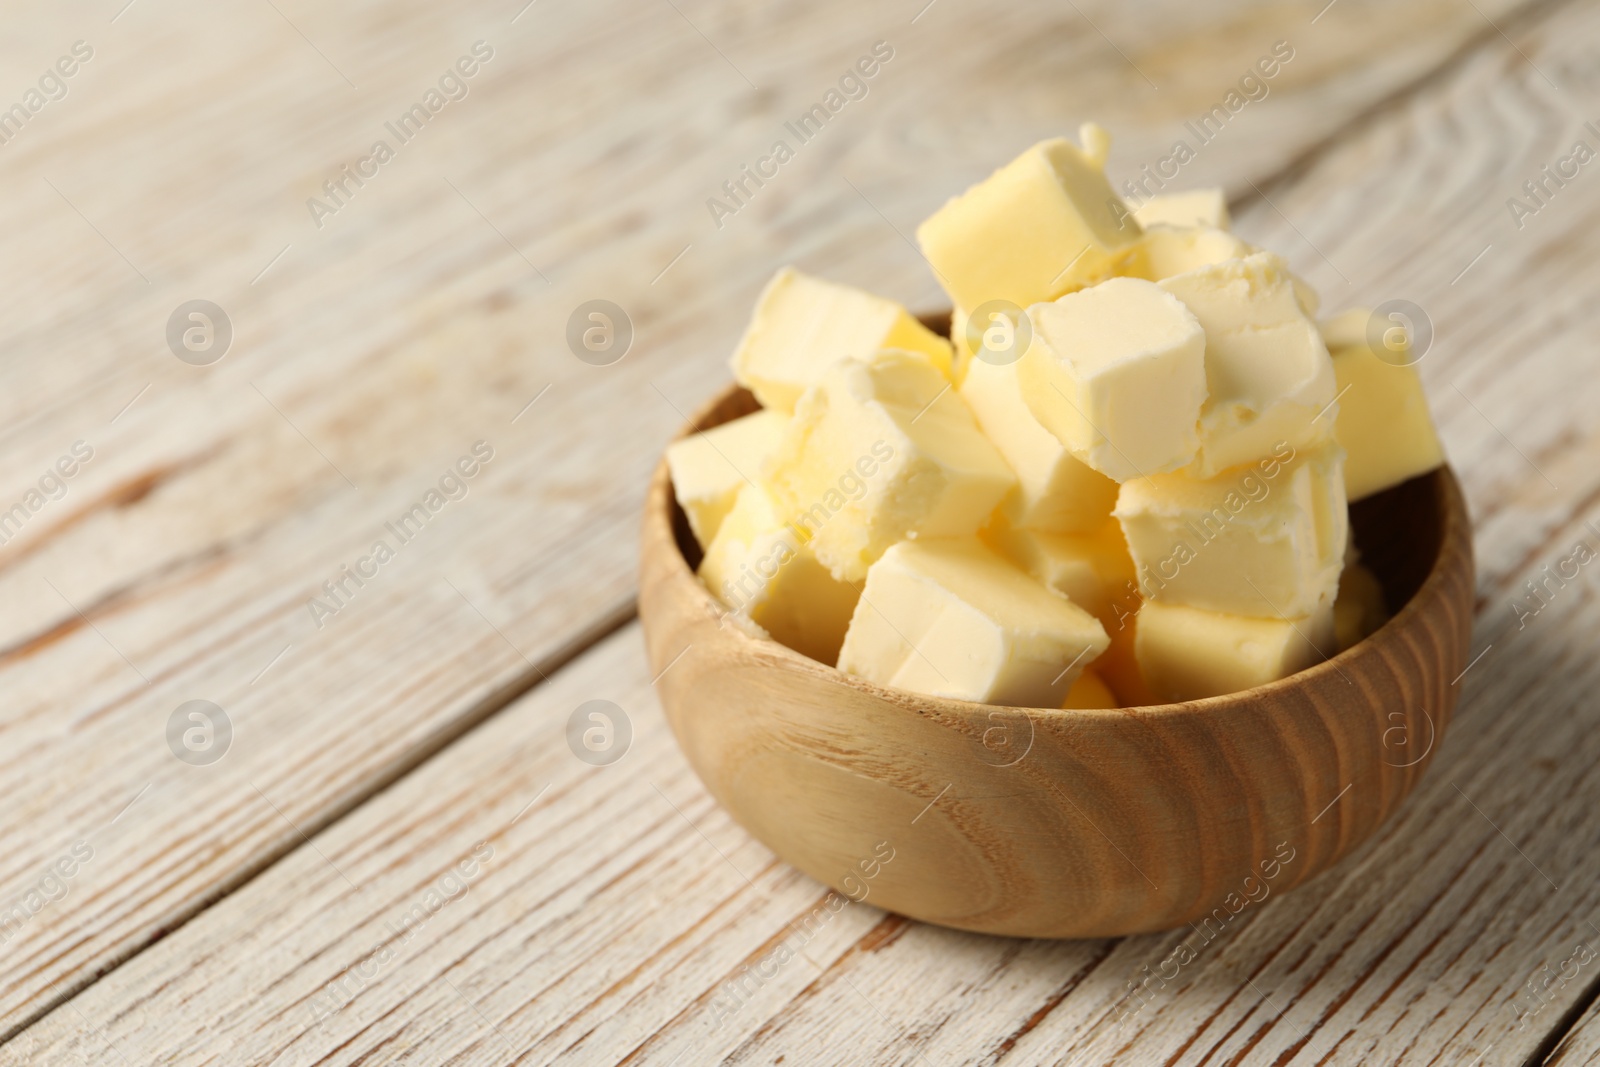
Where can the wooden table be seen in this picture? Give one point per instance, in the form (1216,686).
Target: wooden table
(391,852)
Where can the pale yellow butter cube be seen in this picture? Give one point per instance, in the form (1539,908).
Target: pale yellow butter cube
(1349,328)
(961,348)
(1197,207)
(1187,653)
(1383,421)
(1166,251)
(1088,693)
(1044,224)
(708,469)
(1055,490)
(1119,664)
(998,339)
(879,451)
(761,569)
(1268,375)
(947,616)
(1305,296)
(1093,570)
(1264,540)
(1359,609)
(1117,373)
(802,325)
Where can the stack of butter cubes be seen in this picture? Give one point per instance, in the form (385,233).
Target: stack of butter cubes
(1126,481)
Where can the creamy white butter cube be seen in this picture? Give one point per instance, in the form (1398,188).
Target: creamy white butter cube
(803,325)
(708,469)
(1117,373)
(1044,224)
(950,618)
(1268,375)
(1266,540)
(1197,207)
(1055,490)
(1187,653)
(1383,421)
(879,451)
(761,569)
(1093,570)
(1166,251)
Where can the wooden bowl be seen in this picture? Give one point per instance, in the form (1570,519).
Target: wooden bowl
(1050,823)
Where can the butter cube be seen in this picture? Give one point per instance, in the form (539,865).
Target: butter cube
(1305,296)
(1198,207)
(1055,490)
(761,569)
(1383,421)
(802,325)
(950,618)
(1044,224)
(879,451)
(1119,664)
(1092,570)
(997,339)
(1359,609)
(1268,374)
(1187,653)
(1349,328)
(1117,373)
(708,469)
(1166,251)
(1264,540)
(961,350)
(1089,692)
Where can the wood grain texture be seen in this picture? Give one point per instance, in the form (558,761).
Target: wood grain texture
(1415,949)
(1580,1045)
(1082,823)
(617,901)
(369,354)
(1420,946)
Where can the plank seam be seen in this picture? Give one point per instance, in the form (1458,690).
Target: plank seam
(503,696)
(1565,1026)
(608,623)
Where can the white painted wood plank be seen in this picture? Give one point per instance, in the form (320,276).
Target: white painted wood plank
(369,355)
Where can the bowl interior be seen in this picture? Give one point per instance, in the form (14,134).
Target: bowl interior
(1399,532)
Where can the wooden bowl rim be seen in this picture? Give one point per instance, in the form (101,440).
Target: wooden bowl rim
(1455,525)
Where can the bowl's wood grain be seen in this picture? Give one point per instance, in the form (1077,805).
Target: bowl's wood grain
(1049,823)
